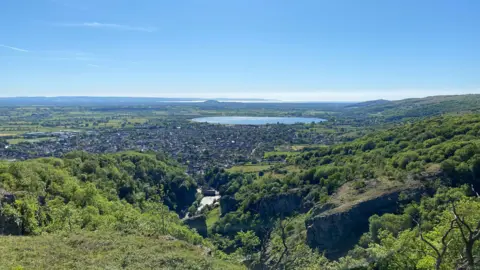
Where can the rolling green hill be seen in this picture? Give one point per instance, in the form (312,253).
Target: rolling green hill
(415,107)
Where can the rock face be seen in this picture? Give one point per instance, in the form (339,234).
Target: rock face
(228,204)
(334,230)
(282,204)
(209,192)
(198,223)
(7,225)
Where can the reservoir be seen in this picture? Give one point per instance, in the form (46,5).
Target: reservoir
(250,120)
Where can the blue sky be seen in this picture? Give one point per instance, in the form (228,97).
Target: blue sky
(320,50)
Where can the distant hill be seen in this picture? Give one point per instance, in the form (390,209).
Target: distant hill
(105,101)
(416,107)
(369,103)
(211,101)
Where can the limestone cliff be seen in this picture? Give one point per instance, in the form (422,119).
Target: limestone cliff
(198,223)
(228,204)
(334,228)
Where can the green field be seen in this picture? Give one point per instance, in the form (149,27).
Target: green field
(249,168)
(20,140)
(278,153)
(213,216)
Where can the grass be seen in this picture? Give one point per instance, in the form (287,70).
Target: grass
(5,134)
(213,216)
(289,169)
(351,193)
(104,250)
(278,153)
(249,168)
(20,140)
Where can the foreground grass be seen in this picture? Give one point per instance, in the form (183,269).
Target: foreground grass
(98,250)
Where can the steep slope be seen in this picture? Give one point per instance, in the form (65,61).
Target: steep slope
(349,182)
(105,250)
(98,211)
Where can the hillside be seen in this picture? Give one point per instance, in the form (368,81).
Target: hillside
(99,211)
(415,107)
(105,250)
(341,186)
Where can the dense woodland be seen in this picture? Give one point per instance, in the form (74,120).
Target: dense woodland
(435,154)
(401,194)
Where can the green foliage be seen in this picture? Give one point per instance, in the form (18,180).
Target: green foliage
(84,192)
(249,242)
(405,241)
(105,250)
(436,152)
(135,177)
(449,142)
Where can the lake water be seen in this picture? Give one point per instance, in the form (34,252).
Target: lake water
(247,120)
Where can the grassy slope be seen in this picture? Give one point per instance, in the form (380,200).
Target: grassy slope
(248,168)
(213,216)
(104,251)
(419,107)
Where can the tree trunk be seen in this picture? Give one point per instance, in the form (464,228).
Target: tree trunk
(469,255)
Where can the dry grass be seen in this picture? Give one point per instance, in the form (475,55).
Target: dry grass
(348,195)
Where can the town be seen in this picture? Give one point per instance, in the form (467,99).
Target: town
(197,145)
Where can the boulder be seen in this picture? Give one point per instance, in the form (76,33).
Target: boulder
(335,229)
(198,223)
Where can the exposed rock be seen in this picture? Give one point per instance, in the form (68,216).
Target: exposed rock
(282,204)
(228,204)
(209,192)
(6,197)
(198,223)
(8,226)
(336,230)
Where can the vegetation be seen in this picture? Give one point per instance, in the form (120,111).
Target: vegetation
(436,152)
(105,250)
(118,194)
(439,233)
(249,168)
(394,182)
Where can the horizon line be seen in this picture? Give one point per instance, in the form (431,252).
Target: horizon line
(220,99)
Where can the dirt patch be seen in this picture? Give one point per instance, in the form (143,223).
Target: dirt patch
(349,194)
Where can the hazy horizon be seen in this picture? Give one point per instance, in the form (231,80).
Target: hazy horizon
(250,98)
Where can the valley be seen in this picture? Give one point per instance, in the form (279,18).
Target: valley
(337,194)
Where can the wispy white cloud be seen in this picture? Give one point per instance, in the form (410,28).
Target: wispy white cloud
(113,26)
(14,48)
